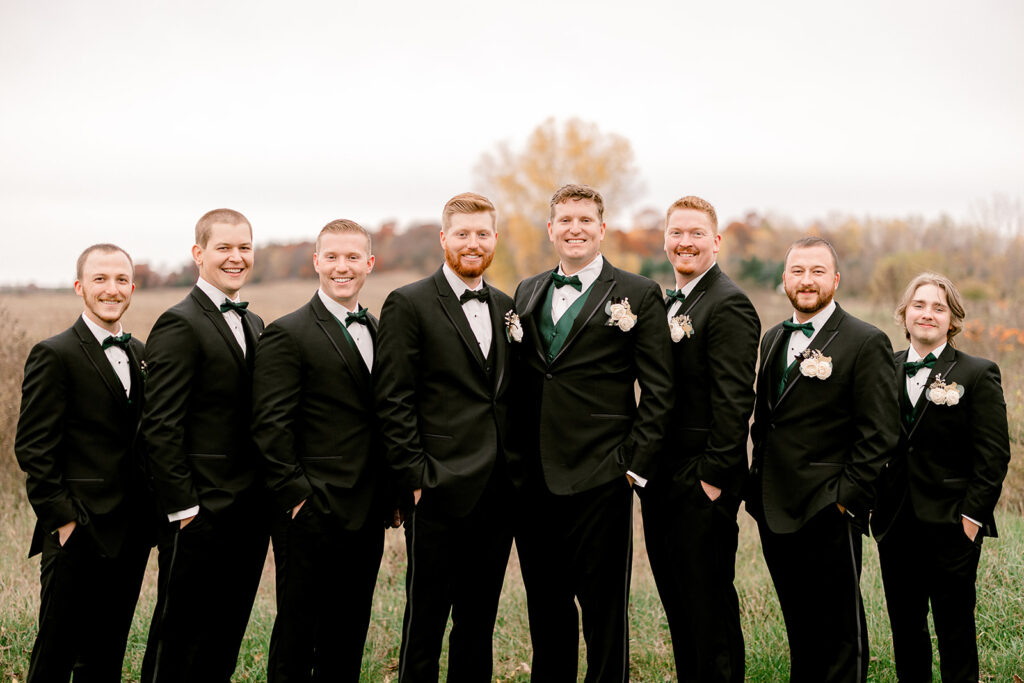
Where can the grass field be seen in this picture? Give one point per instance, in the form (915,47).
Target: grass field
(1000,611)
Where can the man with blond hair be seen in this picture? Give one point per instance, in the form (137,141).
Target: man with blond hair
(76,441)
(590,332)
(442,380)
(204,464)
(936,497)
(690,506)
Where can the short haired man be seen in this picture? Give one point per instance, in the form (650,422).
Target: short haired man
(690,506)
(937,494)
(589,333)
(442,387)
(204,464)
(76,440)
(824,424)
(315,426)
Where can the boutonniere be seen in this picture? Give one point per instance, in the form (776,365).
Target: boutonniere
(814,364)
(680,326)
(619,314)
(144,370)
(942,394)
(513,328)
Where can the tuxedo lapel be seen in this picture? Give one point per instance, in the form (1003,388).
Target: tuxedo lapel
(500,342)
(943,365)
(901,382)
(764,373)
(595,298)
(98,358)
(820,343)
(453,310)
(350,356)
(528,316)
(700,290)
(217,318)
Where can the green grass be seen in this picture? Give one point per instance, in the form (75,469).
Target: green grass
(1000,614)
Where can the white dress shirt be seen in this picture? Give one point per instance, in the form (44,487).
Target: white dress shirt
(115,354)
(798,341)
(231,317)
(477,312)
(360,333)
(916,382)
(687,289)
(564,297)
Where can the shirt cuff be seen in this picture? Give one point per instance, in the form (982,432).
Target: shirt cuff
(637,479)
(183,514)
(972,520)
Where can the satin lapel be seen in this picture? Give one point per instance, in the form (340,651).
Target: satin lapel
(701,289)
(691,301)
(453,310)
(350,355)
(819,343)
(595,300)
(135,373)
(221,325)
(943,365)
(94,352)
(528,316)
(500,342)
(901,381)
(764,375)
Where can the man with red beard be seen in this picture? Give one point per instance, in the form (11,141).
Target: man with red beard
(825,421)
(441,379)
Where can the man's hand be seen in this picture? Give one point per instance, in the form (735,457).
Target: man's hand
(970,528)
(185,522)
(295,510)
(64,532)
(416,495)
(712,492)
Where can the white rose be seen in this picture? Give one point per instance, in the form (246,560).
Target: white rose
(824,369)
(937,395)
(952,397)
(516,332)
(617,312)
(677,331)
(626,323)
(809,367)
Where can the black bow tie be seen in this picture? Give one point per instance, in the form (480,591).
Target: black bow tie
(807,328)
(674,295)
(236,306)
(571,281)
(482,294)
(357,317)
(120,340)
(912,367)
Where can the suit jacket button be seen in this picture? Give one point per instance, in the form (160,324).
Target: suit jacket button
(548,376)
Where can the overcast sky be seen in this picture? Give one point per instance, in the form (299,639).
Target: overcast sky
(126,121)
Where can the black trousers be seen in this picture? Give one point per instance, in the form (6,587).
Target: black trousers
(816,572)
(691,543)
(325,579)
(924,562)
(578,547)
(456,565)
(208,575)
(86,608)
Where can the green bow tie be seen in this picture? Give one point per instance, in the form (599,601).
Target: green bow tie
(120,340)
(912,367)
(357,317)
(238,307)
(572,281)
(807,328)
(674,295)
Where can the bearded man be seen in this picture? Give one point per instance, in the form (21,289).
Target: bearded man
(825,421)
(441,384)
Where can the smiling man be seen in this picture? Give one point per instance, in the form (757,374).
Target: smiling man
(76,441)
(937,495)
(824,424)
(442,381)
(204,464)
(590,333)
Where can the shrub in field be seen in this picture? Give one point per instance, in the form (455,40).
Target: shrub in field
(13,352)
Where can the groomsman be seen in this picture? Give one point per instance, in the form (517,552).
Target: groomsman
(204,464)
(690,506)
(937,494)
(442,381)
(315,427)
(76,441)
(824,423)
(589,333)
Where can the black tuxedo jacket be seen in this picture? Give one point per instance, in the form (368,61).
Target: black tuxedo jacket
(77,440)
(443,407)
(713,376)
(823,441)
(313,416)
(953,459)
(198,410)
(579,414)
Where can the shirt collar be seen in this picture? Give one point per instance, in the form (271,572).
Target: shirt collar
(216,296)
(333,307)
(98,331)
(821,317)
(913,355)
(458,285)
(692,284)
(588,273)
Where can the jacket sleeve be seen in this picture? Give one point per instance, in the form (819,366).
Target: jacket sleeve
(991,444)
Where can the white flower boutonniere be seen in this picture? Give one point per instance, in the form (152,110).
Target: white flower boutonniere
(144,370)
(942,394)
(814,364)
(680,326)
(513,328)
(619,314)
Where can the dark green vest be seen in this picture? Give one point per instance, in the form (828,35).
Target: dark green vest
(551,335)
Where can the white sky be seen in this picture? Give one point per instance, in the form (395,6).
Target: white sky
(126,121)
